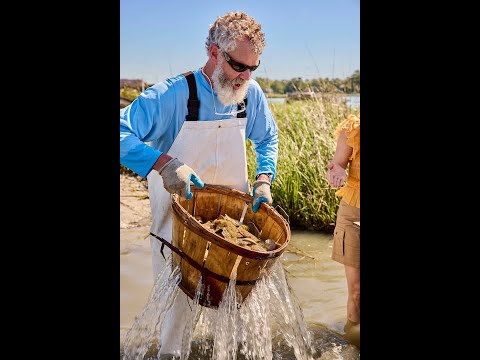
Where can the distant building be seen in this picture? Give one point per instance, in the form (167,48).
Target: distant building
(138,84)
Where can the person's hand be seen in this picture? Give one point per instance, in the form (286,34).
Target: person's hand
(261,193)
(177,176)
(336,175)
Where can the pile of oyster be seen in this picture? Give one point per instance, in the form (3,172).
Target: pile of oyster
(238,233)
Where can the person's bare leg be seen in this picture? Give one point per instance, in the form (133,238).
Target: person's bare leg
(353,301)
(352,327)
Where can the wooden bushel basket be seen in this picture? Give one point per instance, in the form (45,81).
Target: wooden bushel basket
(204,253)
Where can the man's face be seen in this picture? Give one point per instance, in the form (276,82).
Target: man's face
(231,85)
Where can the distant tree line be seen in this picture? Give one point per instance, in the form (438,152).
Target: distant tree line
(350,85)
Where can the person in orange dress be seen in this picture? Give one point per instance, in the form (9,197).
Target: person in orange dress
(344,173)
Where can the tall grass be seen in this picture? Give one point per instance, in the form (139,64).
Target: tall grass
(306,145)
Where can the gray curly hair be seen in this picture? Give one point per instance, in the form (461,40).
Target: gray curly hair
(233,26)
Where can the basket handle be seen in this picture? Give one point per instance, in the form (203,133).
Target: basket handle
(284,212)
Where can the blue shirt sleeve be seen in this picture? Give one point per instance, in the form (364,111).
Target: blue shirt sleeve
(262,131)
(151,117)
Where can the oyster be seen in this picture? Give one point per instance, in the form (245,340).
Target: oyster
(238,233)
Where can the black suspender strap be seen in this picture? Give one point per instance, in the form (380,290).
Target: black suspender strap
(244,112)
(193,102)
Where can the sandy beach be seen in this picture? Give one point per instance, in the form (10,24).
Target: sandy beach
(134,206)
(135,264)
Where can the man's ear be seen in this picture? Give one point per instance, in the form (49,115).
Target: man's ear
(213,53)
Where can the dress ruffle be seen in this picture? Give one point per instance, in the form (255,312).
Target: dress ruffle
(351,125)
(350,195)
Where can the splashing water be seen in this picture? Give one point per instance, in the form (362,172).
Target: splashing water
(236,330)
(141,336)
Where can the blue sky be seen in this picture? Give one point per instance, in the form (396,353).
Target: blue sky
(304,38)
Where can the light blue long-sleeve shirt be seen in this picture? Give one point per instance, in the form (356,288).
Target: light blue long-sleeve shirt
(157,115)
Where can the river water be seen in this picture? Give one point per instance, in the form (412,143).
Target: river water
(317,284)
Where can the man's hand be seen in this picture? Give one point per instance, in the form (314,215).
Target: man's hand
(177,176)
(261,193)
(336,175)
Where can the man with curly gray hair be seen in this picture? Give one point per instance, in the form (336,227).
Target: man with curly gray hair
(193,128)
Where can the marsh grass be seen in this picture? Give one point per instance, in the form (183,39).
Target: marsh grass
(306,145)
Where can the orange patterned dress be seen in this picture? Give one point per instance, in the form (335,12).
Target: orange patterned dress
(350,192)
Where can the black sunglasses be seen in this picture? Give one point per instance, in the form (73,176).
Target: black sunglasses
(238,67)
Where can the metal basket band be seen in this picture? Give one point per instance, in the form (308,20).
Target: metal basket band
(205,272)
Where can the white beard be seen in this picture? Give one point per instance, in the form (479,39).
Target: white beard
(224,87)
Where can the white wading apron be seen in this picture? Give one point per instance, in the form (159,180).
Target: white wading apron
(215,150)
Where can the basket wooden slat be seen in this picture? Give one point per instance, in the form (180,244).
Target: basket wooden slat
(178,228)
(195,246)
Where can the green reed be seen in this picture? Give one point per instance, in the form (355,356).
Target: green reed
(306,145)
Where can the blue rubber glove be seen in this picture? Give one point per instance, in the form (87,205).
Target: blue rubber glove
(177,176)
(261,193)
